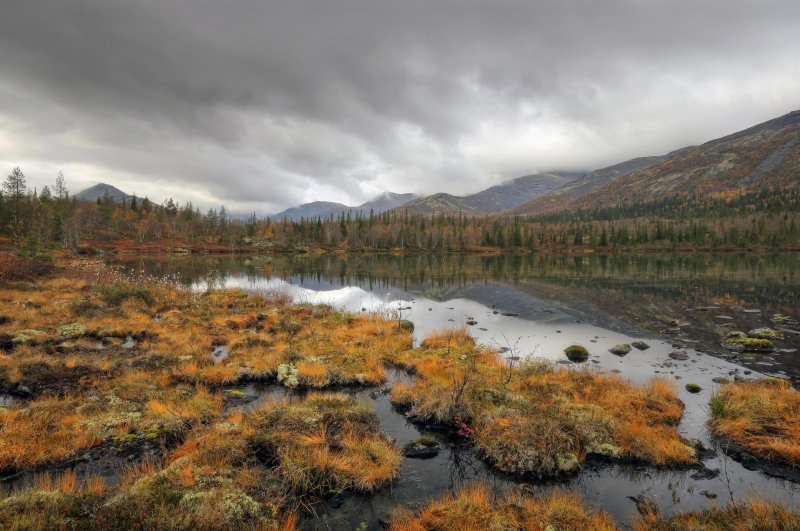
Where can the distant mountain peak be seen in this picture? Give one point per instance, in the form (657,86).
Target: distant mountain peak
(99,190)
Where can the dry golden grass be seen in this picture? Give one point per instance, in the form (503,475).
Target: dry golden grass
(449,337)
(756,515)
(538,418)
(762,417)
(475,507)
(326,442)
(53,429)
(47,430)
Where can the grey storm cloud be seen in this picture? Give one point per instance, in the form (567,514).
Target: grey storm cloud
(260,105)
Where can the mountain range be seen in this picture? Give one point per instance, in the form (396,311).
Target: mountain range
(763,156)
(385,201)
(503,196)
(766,155)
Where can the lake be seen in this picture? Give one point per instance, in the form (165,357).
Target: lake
(532,305)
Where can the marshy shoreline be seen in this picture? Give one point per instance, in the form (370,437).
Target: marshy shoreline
(142,399)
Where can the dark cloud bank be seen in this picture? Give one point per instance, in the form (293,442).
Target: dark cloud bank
(264,104)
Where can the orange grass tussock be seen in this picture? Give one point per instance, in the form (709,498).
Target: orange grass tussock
(762,417)
(754,515)
(475,507)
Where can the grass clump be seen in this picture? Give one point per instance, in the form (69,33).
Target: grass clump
(475,507)
(326,443)
(540,419)
(756,515)
(762,417)
(115,293)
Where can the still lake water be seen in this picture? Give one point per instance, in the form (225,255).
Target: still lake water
(538,305)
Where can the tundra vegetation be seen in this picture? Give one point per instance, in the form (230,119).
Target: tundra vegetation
(95,361)
(476,507)
(761,417)
(543,420)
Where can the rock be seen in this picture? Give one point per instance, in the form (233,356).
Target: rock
(765,333)
(705,473)
(680,355)
(693,388)
(708,494)
(735,334)
(509,314)
(22,391)
(748,344)
(621,349)
(472,322)
(219,354)
(576,353)
(422,448)
(641,345)
(720,380)
(128,344)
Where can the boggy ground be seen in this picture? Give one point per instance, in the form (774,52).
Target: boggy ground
(98,361)
(476,507)
(539,419)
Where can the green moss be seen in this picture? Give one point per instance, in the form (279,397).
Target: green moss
(121,440)
(765,333)
(693,388)
(576,353)
(235,393)
(749,344)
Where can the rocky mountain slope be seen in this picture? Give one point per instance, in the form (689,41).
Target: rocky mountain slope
(765,156)
(503,196)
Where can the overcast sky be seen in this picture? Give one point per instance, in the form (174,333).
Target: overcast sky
(261,104)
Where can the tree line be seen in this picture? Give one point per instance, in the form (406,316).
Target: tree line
(34,221)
